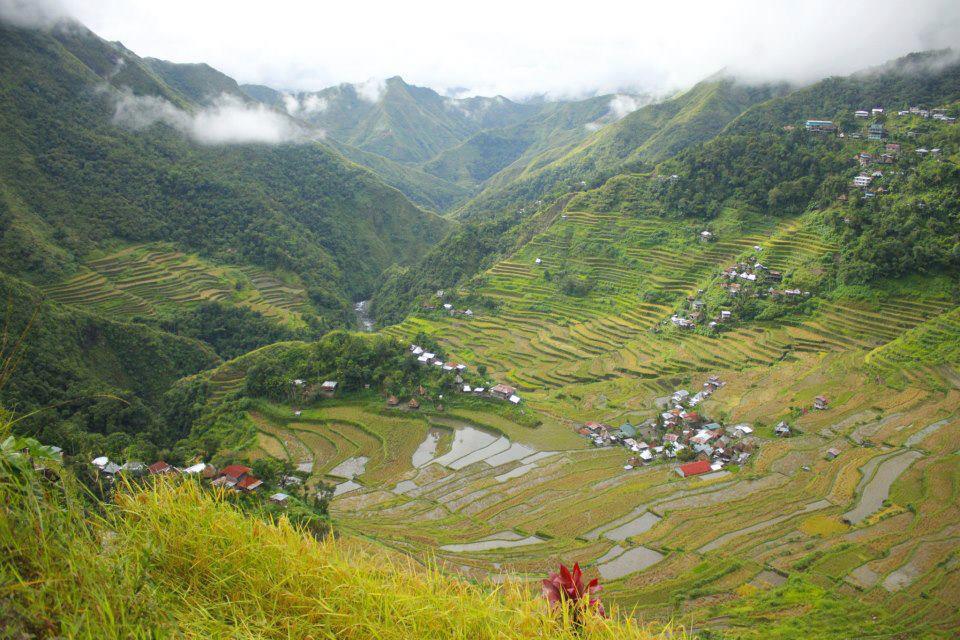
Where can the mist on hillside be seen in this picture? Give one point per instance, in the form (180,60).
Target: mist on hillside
(519,51)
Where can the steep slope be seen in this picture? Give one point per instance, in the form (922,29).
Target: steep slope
(186,555)
(95,384)
(427,190)
(646,135)
(491,151)
(74,181)
(393,119)
(199,83)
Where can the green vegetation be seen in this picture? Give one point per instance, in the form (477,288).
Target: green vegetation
(293,207)
(177,561)
(193,300)
(90,384)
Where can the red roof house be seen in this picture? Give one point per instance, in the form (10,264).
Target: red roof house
(158,468)
(693,468)
(235,472)
(249,483)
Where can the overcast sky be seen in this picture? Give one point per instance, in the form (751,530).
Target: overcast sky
(521,47)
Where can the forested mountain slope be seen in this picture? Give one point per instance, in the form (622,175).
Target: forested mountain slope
(86,382)
(440,150)
(646,135)
(74,181)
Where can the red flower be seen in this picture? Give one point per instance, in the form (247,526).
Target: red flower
(566,589)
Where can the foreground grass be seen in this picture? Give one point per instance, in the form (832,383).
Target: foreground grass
(169,560)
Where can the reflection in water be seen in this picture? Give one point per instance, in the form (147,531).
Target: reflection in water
(350,468)
(487,545)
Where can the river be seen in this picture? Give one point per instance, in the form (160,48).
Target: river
(362,309)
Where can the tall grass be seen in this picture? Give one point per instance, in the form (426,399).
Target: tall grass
(170,560)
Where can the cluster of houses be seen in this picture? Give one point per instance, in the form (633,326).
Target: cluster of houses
(448,307)
(679,428)
(430,359)
(734,278)
(936,114)
(236,477)
(500,391)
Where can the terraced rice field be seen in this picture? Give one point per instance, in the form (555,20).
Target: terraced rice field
(486,504)
(705,543)
(141,280)
(489,498)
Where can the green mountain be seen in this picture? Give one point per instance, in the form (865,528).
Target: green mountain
(646,135)
(491,152)
(76,181)
(200,83)
(437,150)
(170,217)
(727,147)
(394,119)
(87,382)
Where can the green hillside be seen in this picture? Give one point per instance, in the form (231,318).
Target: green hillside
(650,133)
(199,83)
(86,382)
(295,207)
(396,120)
(501,150)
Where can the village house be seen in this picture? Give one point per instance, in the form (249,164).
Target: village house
(393,401)
(862,181)
(820,126)
(413,404)
(861,114)
(201,469)
(892,147)
(328,388)
(160,467)
(133,468)
(877,111)
(820,403)
(876,131)
(249,484)
(782,430)
(281,499)
(864,159)
(231,475)
(503,391)
(832,453)
(694,468)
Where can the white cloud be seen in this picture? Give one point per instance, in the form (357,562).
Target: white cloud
(314,104)
(311,103)
(226,121)
(621,105)
(558,48)
(32,14)
(370,90)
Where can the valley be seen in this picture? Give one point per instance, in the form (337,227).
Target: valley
(704,343)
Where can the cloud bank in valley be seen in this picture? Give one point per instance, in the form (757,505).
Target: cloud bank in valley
(227,121)
(521,49)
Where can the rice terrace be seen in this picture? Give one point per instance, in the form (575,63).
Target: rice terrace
(856,505)
(633,322)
